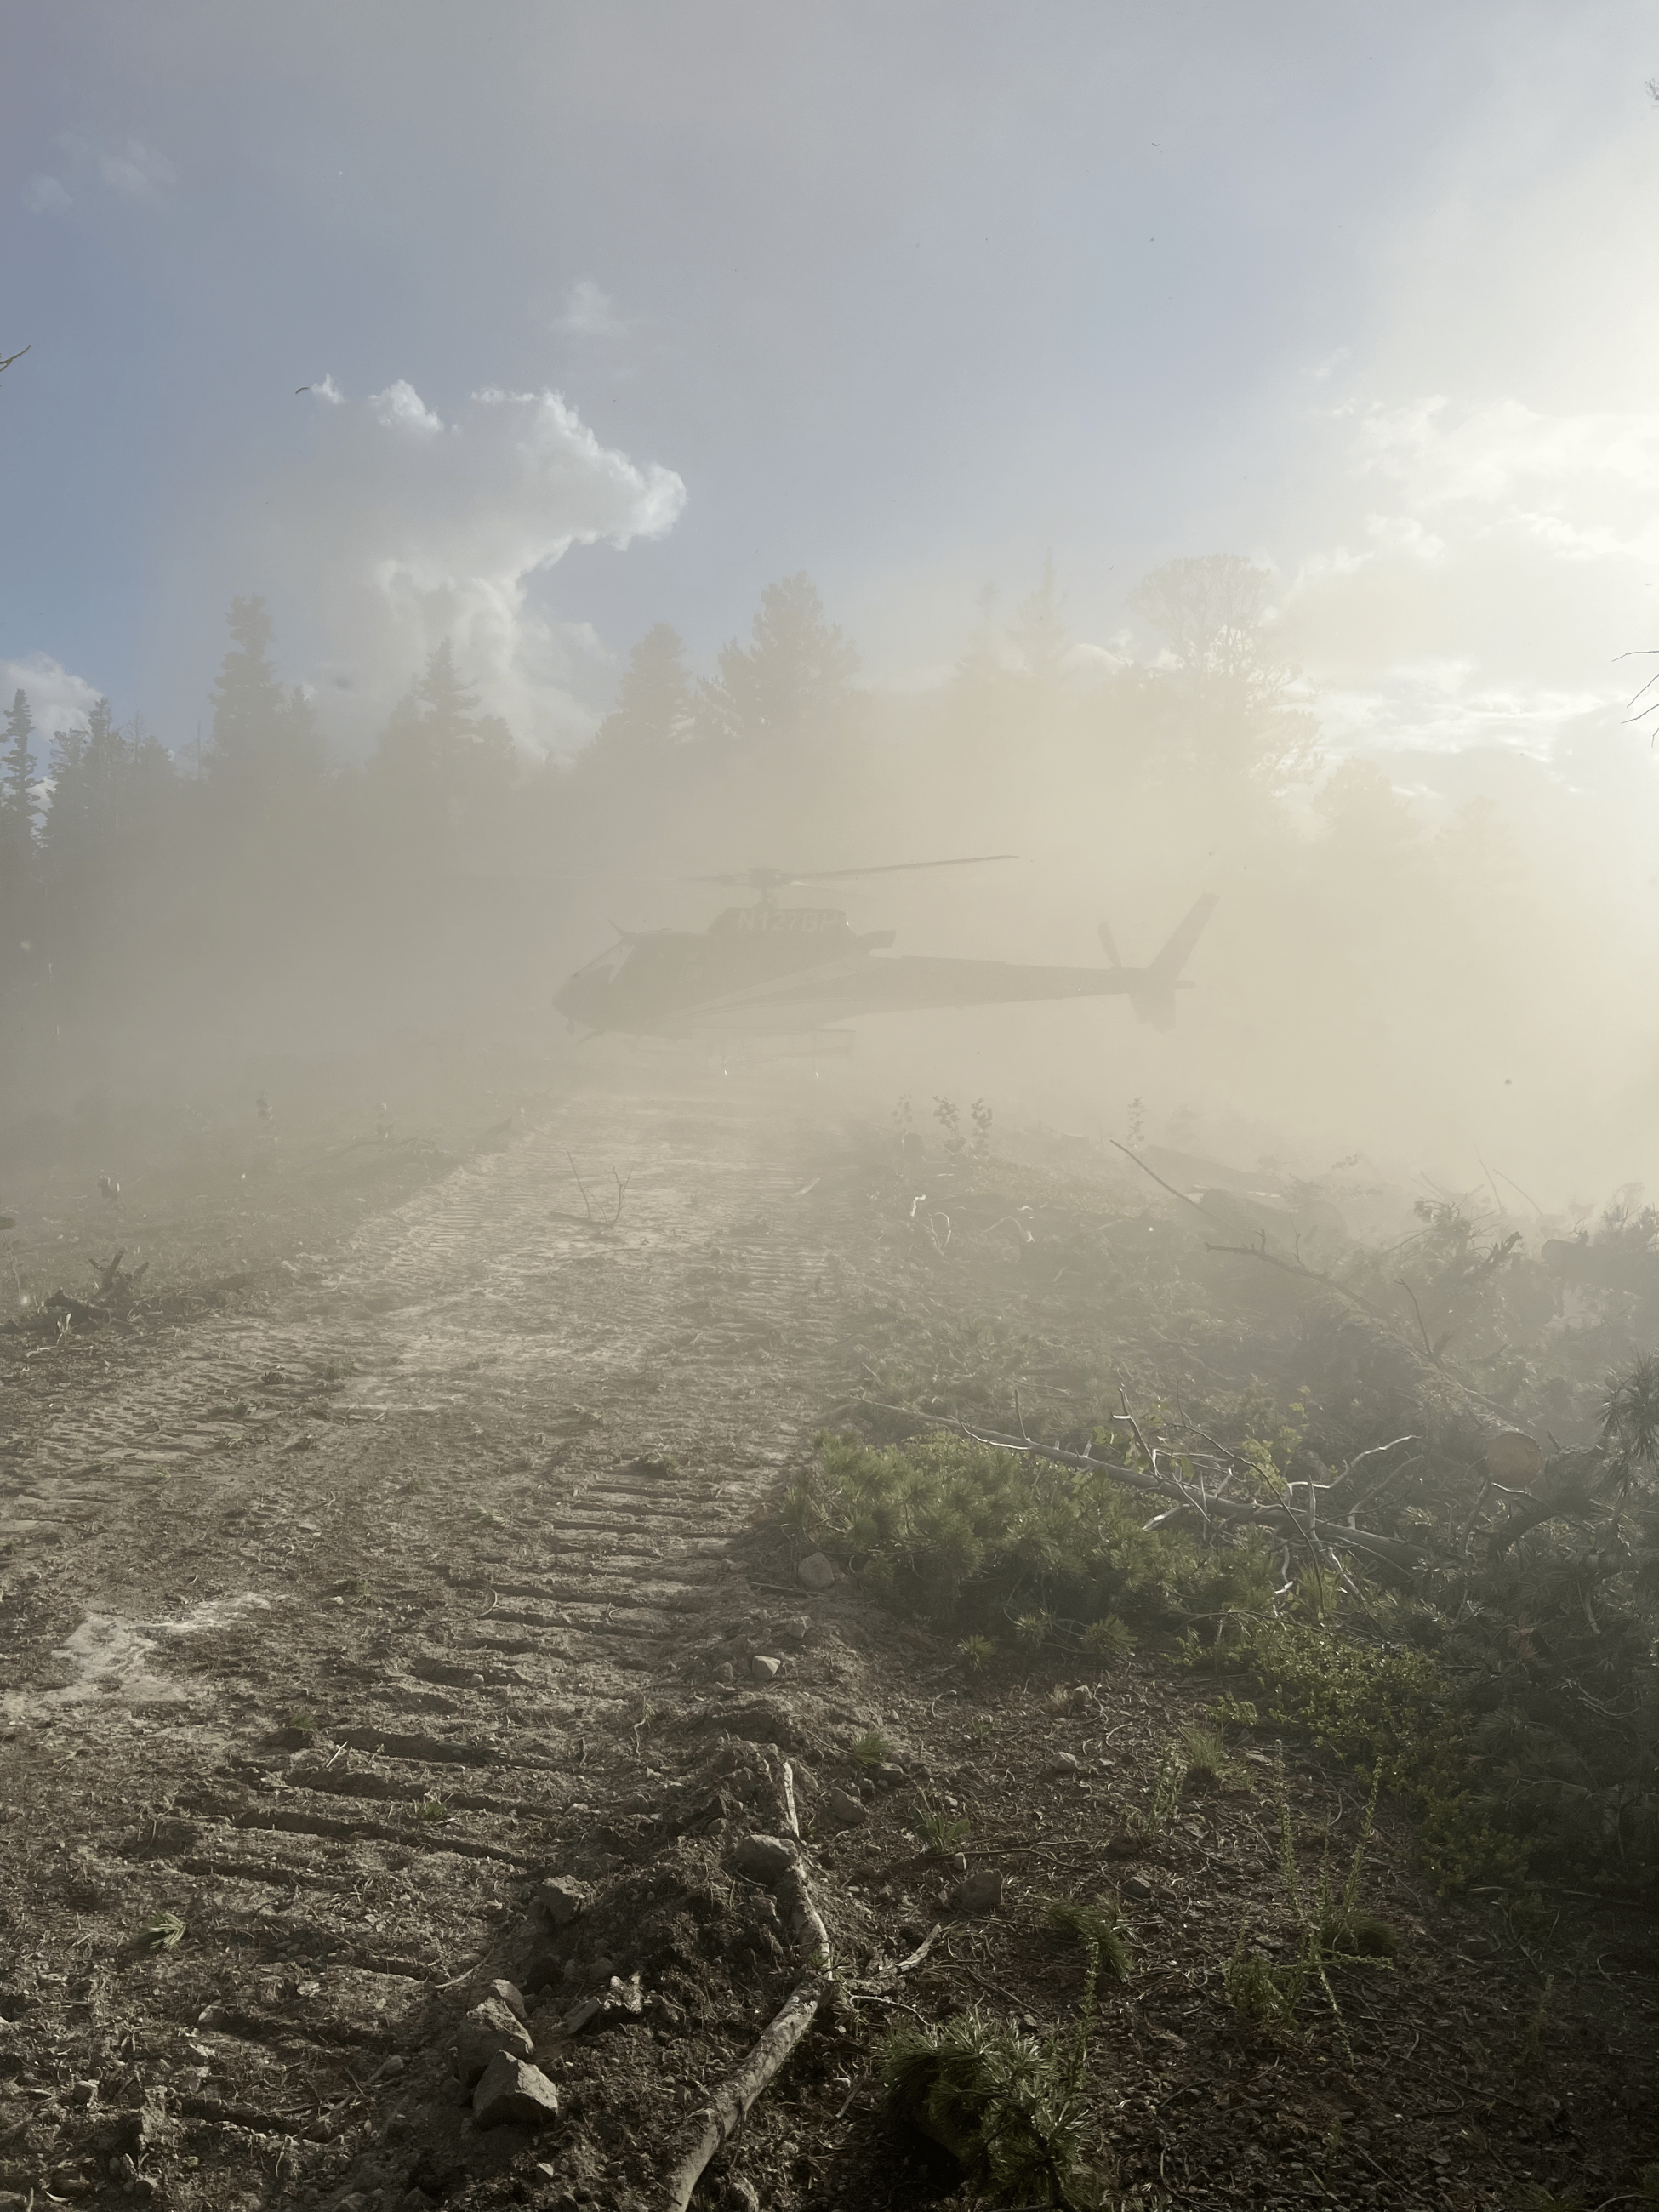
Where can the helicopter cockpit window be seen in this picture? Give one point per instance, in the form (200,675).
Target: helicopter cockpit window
(602,969)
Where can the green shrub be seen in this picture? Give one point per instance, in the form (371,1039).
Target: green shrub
(1331,1932)
(1001,2103)
(1110,1638)
(1398,1711)
(954,1529)
(1205,1753)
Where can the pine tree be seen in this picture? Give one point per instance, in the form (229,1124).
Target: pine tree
(436,735)
(247,699)
(791,686)
(265,739)
(1229,696)
(18,804)
(654,708)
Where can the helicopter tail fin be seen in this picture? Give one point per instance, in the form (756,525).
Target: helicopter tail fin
(1154,999)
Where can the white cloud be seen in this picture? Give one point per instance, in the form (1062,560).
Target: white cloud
(398,530)
(137,170)
(45,195)
(1507,454)
(328,390)
(57,698)
(1501,558)
(400,407)
(590,312)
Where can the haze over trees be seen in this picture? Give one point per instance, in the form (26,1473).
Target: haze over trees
(277,898)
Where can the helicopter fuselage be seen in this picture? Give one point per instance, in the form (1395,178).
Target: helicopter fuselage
(798,969)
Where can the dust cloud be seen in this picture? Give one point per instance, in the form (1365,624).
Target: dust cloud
(1444,987)
(676,569)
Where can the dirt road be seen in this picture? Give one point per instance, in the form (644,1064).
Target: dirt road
(455,1502)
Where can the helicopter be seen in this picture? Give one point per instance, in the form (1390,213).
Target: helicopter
(771,969)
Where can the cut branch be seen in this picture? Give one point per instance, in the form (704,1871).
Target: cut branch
(735,2096)
(720,2120)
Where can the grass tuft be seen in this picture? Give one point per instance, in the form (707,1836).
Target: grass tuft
(163,1931)
(938,1831)
(1098,1927)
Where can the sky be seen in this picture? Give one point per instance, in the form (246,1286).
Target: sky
(611,316)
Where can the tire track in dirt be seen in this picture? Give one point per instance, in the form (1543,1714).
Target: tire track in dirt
(324,1623)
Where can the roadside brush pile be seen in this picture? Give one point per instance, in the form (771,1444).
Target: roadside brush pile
(1408,1498)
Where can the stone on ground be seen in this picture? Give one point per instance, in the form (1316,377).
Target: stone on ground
(488,2032)
(843,1810)
(763,1858)
(560,1900)
(511,2093)
(981,1891)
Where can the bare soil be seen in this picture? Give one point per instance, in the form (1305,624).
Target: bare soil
(413,1538)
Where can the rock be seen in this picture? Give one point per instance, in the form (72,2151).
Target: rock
(1139,1887)
(815,1572)
(889,1777)
(763,1858)
(156,2130)
(1063,1763)
(510,1995)
(981,1891)
(764,1670)
(489,2031)
(843,1810)
(559,1900)
(796,1629)
(510,2094)
(725,1672)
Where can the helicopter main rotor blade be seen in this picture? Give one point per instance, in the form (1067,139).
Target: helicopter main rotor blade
(777,880)
(751,879)
(900,867)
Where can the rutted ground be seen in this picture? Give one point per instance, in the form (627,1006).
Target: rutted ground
(439,1562)
(454,1506)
